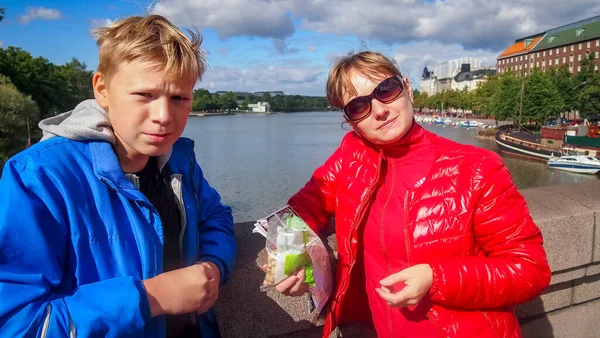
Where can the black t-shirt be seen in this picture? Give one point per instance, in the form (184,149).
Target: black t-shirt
(157,188)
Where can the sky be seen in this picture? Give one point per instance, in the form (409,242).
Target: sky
(289,45)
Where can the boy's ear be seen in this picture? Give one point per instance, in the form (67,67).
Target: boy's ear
(100,89)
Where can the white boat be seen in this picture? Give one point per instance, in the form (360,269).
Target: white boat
(575,163)
(469,124)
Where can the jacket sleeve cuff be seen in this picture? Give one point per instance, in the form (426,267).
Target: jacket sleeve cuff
(219,263)
(436,282)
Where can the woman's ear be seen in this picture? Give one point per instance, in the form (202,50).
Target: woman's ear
(410,91)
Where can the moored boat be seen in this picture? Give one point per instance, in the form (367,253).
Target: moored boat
(553,140)
(576,164)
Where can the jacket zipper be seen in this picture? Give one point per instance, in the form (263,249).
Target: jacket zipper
(408,253)
(176,185)
(392,170)
(46,324)
(359,220)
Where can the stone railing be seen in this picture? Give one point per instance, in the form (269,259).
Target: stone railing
(567,215)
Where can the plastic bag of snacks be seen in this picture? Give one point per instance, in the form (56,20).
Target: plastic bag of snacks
(291,245)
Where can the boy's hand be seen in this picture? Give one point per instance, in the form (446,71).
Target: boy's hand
(193,289)
(417,280)
(293,285)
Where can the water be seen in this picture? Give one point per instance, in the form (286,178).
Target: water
(257,162)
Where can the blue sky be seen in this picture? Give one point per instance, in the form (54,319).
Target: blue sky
(256,45)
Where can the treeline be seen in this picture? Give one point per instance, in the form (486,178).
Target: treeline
(32,89)
(205,101)
(544,95)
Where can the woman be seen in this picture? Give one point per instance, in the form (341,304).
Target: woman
(434,240)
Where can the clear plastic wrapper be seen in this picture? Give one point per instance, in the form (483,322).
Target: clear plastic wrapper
(292,245)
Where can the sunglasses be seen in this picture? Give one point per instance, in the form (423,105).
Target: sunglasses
(386,91)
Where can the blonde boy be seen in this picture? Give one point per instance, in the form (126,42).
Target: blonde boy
(108,226)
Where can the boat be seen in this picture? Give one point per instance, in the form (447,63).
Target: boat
(576,164)
(560,139)
(469,124)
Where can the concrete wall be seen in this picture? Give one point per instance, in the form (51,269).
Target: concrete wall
(568,217)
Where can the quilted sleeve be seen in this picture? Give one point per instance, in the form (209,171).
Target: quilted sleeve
(514,268)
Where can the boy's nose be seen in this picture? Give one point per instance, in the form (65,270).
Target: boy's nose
(161,112)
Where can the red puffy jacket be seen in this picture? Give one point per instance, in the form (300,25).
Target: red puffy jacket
(466,220)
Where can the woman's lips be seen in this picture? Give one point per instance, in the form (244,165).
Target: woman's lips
(387,123)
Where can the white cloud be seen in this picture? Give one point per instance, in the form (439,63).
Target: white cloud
(97,23)
(416,33)
(229,18)
(41,13)
(472,23)
(291,80)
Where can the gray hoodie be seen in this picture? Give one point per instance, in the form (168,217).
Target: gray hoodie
(88,121)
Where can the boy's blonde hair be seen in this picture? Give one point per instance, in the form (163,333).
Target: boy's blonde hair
(373,65)
(149,38)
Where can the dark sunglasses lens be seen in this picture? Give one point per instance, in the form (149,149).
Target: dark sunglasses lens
(357,108)
(388,90)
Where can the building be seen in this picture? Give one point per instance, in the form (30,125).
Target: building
(564,46)
(470,79)
(454,75)
(259,107)
(272,93)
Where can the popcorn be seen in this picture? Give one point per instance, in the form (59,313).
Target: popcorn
(292,245)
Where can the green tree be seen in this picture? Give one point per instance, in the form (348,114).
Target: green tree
(79,83)
(202,100)
(588,91)
(589,96)
(421,101)
(245,103)
(564,84)
(540,98)
(505,100)
(227,101)
(16,111)
(481,97)
(38,78)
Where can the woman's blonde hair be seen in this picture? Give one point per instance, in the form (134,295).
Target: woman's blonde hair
(373,65)
(149,38)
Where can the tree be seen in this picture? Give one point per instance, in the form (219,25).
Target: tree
(506,97)
(564,84)
(2,12)
(589,96)
(540,98)
(38,78)
(588,92)
(227,101)
(202,100)
(421,101)
(245,103)
(16,111)
(79,83)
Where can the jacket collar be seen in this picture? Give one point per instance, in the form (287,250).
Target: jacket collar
(107,167)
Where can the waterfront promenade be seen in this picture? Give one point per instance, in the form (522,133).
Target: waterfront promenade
(569,217)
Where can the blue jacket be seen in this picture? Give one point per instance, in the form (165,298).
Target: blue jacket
(77,238)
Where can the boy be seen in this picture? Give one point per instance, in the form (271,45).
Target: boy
(107,226)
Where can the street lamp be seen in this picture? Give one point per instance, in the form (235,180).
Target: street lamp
(581,84)
(584,82)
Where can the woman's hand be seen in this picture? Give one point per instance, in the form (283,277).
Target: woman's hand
(417,280)
(293,285)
